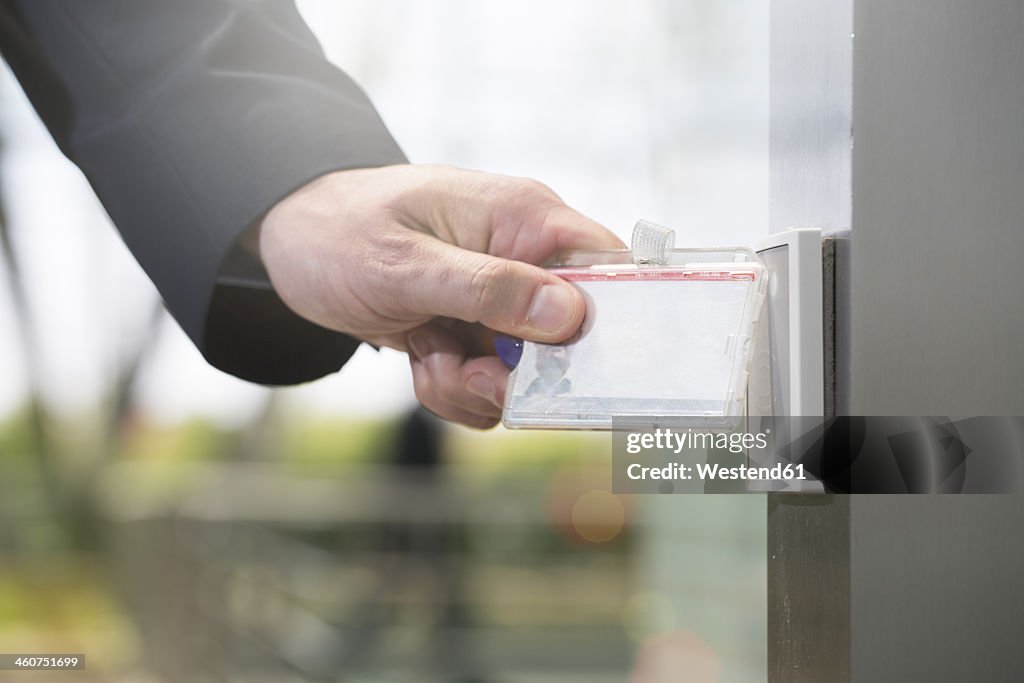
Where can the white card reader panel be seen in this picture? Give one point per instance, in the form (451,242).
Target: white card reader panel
(788,369)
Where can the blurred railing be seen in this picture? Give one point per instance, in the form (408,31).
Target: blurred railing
(381,574)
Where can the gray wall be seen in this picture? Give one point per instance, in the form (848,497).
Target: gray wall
(938,208)
(920,587)
(937,325)
(810,101)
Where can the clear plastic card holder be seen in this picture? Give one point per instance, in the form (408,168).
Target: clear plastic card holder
(670,339)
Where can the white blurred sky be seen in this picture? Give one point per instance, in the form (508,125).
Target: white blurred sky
(652,109)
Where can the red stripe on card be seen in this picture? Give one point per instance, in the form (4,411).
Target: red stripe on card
(656,275)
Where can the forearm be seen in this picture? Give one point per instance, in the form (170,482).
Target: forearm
(191,119)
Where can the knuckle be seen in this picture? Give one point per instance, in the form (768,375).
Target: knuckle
(397,266)
(395,248)
(526,193)
(423,389)
(448,392)
(531,187)
(515,190)
(490,184)
(521,208)
(444,387)
(423,395)
(491,284)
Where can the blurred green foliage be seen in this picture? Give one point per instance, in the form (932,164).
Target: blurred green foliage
(323,447)
(16,440)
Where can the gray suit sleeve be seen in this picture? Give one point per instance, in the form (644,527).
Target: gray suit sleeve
(191,118)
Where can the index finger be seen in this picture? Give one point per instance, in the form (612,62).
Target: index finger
(548,231)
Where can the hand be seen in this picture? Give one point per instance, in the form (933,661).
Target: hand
(431,260)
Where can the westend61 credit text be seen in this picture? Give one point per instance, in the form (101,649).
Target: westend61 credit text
(666,440)
(706,472)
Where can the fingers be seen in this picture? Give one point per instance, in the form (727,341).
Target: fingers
(565,229)
(560,229)
(508,296)
(418,242)
(529,222)
(452,386)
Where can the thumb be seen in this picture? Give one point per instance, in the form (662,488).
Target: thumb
(509,296)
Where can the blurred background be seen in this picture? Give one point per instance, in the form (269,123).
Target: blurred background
(175,524)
